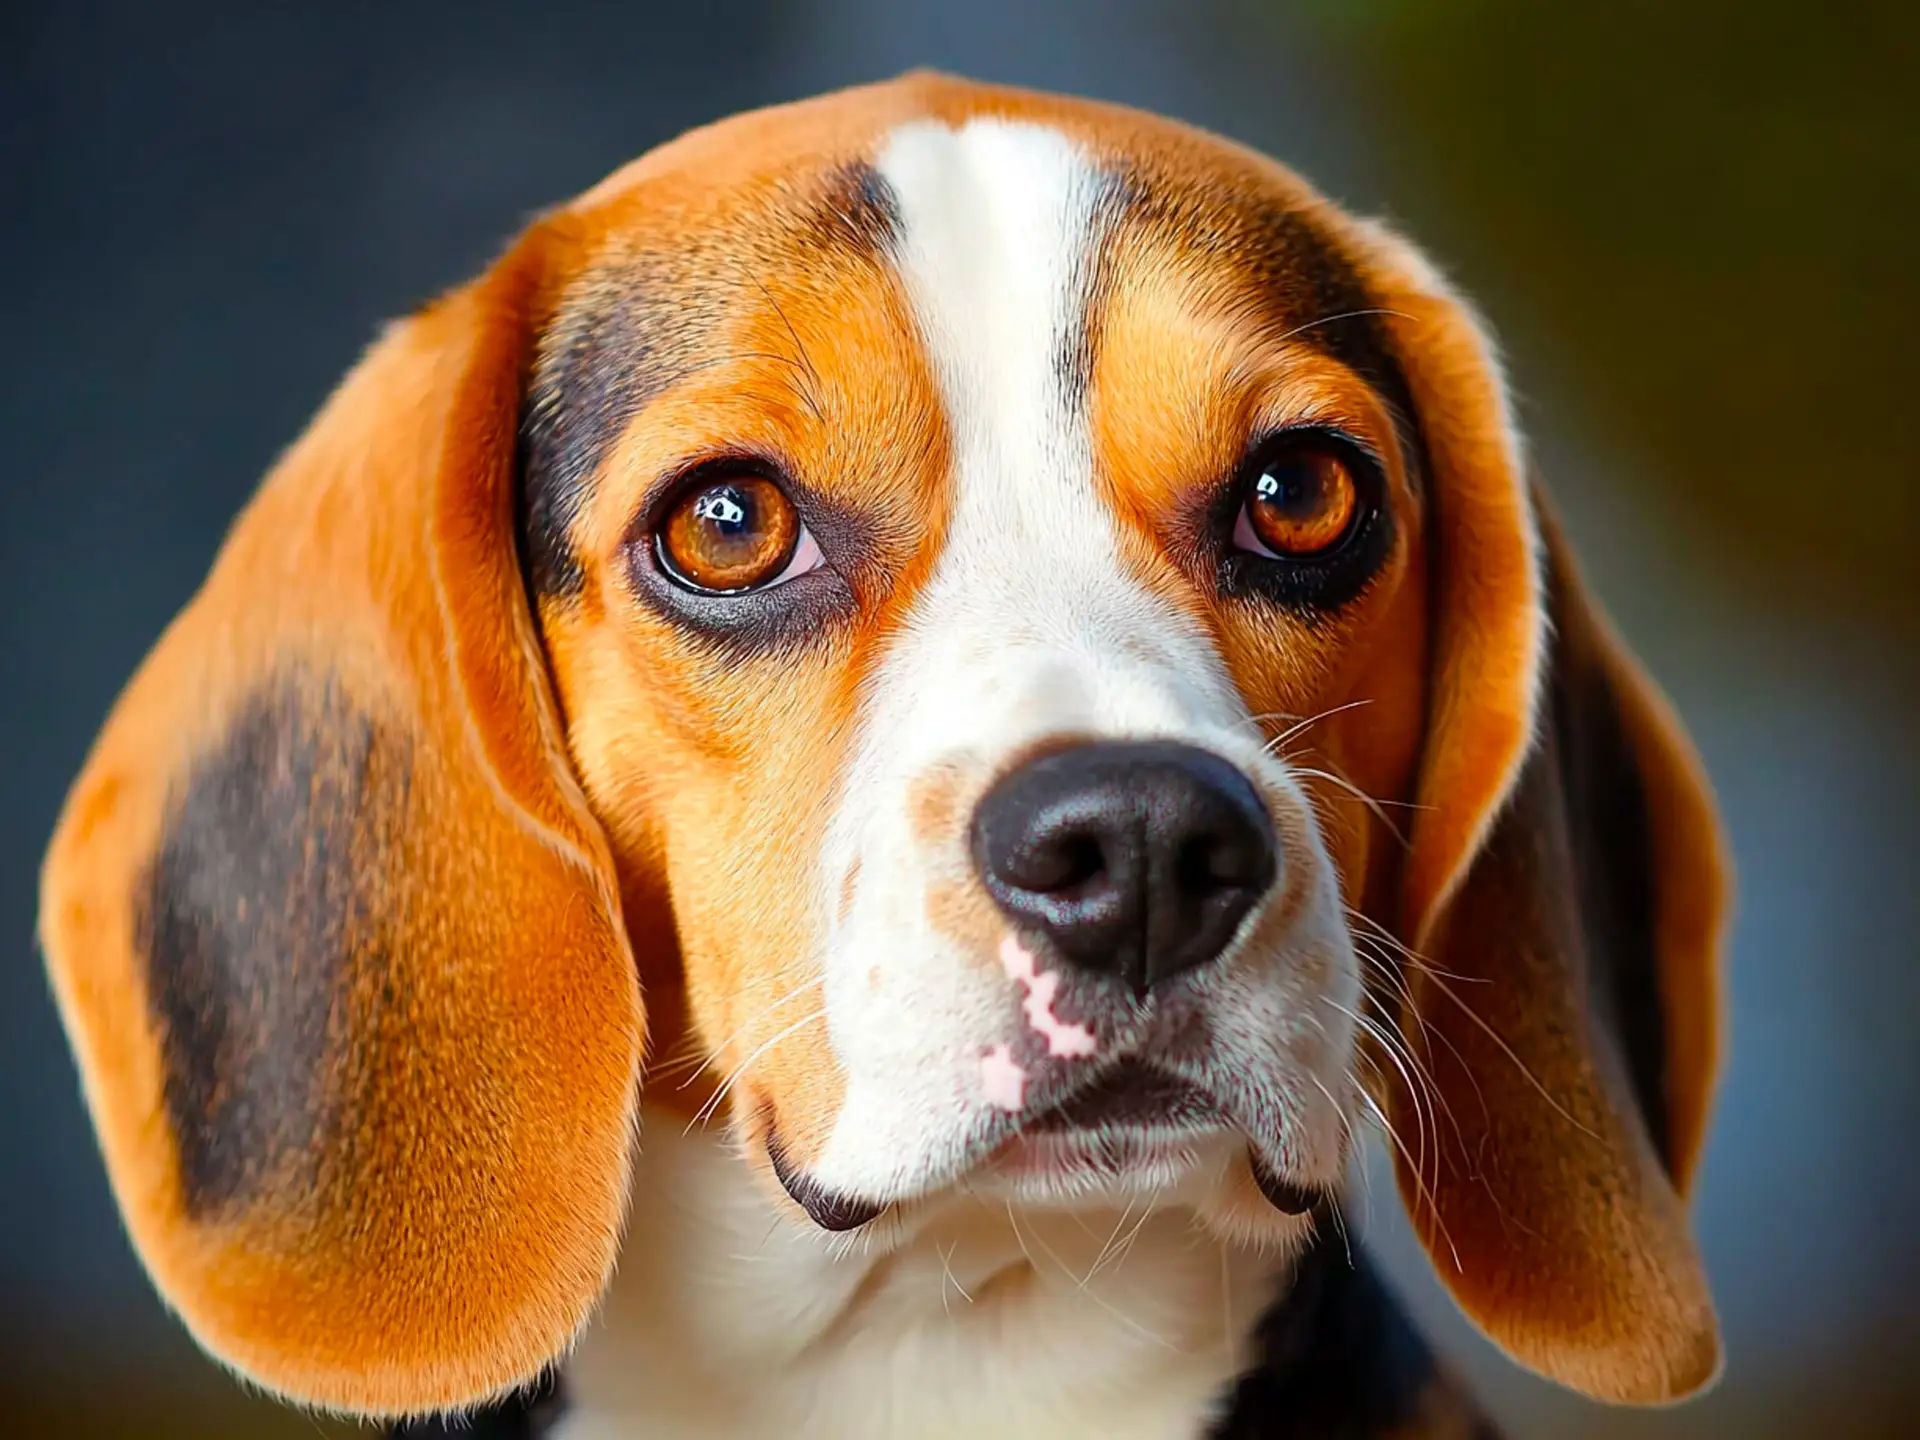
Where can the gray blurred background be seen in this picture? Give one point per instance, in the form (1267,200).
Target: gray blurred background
(1693,223)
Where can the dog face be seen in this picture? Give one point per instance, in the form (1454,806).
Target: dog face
(1020,636)
(1000,432)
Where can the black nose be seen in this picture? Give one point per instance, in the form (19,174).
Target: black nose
(1137,860)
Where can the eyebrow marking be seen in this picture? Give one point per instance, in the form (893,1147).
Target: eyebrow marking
(632,330)
(1299,278)
(608,352)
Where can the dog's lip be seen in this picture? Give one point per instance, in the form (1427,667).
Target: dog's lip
(1132,1095)
(831,1210)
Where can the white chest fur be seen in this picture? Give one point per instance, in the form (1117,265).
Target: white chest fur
(728,1320)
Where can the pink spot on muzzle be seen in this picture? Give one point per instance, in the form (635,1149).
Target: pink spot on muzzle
(1063,1039)
(1003,1079)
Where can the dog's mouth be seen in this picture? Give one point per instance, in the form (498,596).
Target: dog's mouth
(1137,1118)
(1136,1123)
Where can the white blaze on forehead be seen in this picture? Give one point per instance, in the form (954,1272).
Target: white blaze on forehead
(1029,625)
(1000,228)
(995,246)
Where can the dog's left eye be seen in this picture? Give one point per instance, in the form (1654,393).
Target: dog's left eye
(1302,502)
(734,534)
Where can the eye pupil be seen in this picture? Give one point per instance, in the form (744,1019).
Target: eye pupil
(729,535)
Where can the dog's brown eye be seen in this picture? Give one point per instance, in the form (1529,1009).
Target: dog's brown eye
(1301,502)
(733,534)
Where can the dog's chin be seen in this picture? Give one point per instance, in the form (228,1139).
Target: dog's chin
(1156,1164)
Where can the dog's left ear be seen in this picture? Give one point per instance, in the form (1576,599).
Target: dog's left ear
(335,937)
(1563,896)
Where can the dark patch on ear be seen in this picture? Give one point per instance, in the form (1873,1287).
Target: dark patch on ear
(1613,867)
(1339,1360)
(254,918)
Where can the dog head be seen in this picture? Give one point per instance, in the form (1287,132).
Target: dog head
(1017,641)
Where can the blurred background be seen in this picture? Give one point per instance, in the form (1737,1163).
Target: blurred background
(1693,223)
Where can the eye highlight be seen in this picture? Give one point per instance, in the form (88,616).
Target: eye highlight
(733,534)
(1302,501)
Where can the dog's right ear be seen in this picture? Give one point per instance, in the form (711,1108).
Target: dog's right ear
(1564,896)
(333,933)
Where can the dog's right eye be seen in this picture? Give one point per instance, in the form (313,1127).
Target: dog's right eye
(732,534)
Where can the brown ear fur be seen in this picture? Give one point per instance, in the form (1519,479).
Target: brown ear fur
(333,934)
(1564,894)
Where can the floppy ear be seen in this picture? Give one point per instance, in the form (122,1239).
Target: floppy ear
(332,931)
(1564,894)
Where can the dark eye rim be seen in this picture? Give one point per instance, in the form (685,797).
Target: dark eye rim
(756,620)
(1325,579)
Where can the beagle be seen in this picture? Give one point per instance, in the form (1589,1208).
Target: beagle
(828,798)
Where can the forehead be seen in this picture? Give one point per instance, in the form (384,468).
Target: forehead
(824,255)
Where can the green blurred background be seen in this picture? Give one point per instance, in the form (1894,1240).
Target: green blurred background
(1693,225)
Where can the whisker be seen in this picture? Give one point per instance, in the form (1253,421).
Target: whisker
(1098,1259)
(732,357)
(1300,725)
(1518,1064)
(1405,952)
(698,1062)
(1398,1044)
(1425,1191)
(1343,315)
(1093,1295)
(813,376)
(1119,1257)
(946,1274)
(706,1111)
(1349,1149)
(1440,978)
(1377,807)
(1424,1116)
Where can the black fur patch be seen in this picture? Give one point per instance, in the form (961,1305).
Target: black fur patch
(253,918)
(1339,1360)
(1079,346)
(858,213)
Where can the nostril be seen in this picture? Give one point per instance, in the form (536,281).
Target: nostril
(1213,862)
(1065,865)
(1204,865)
